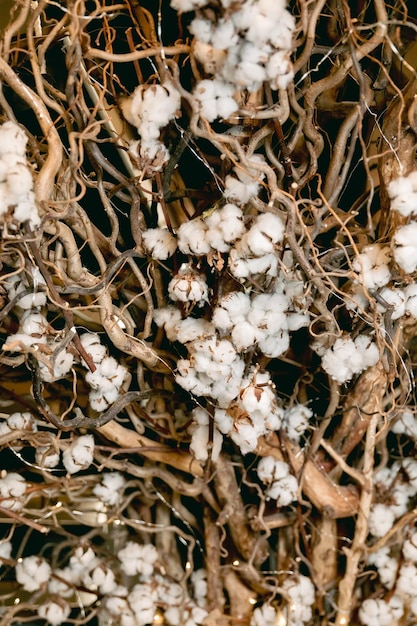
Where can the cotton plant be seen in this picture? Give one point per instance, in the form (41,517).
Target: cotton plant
(107,379)
(36,333)
(347,357)
(213,369)
(150,108)
(246,46)
(17,197)
(281,485)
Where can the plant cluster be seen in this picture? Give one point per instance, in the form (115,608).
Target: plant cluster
(208,290)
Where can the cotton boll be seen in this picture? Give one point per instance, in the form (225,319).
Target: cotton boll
(192,237)
(200,442)
(22,421)
(347,358)
(407,579)
(375,612)
(410,294)
(381,520)
(12,489)
(224,421)
(405,247)
(79,454)
(410,548)
(159,243)
(55,611)
(296,421)
(138,559)
(238,191)
(32,572)
(188,286)
(406,424)
(191,329)
(110,489)
(91,343)
(284,491)
(215,98)
(403,194)
(410,467)
(264,615)
(245,436)
(372,263)
(274,345)
(13,139)
(244,336)
(46,457)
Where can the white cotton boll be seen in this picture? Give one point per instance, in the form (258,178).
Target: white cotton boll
(410,294)
(159,243)
(301,591)
(245,436)
(405,247)
(199,582)
(375,612)
(296,421)
(5,551)
(110,395)
(200,441)
(138,559)
(295,321)
(188,286)
(54,611)
(46,457)
(407,579)
(33,323)
(244,336)
(224,36)
(256,398)
(82,561)
(270,469)
(386,566)
(110,489)
(191,329)
(142,599)
(224,421)
(346,358)
(381,520)
(372,264)
(410,467)
(12,488)
(215,98)
(284,491)
(410,548)
(101,578)
(274,345)
(19,181)
(26,211)
(22,421)
(13,139)
(395,299)
(403,194)
(264,615)
(32,572)
(192,237)
(114,371)
(79,454)
(241,192)
(91,343)
(406,424)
